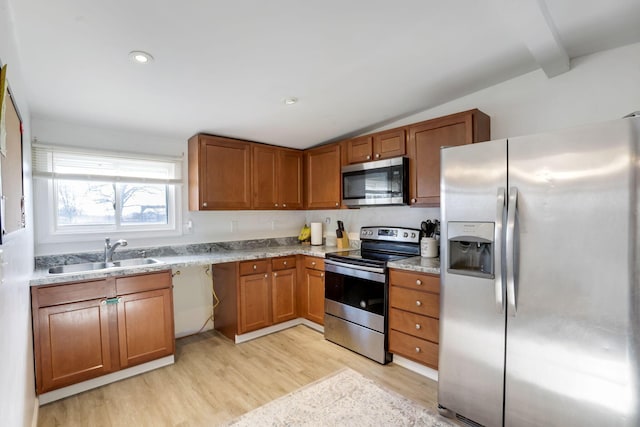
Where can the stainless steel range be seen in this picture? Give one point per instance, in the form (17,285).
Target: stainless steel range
(356,289)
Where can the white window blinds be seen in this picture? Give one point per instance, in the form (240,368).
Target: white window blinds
(59,162)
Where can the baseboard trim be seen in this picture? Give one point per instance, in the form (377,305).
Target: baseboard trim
(277,328)
(425,371)
(36,412)
(61,393)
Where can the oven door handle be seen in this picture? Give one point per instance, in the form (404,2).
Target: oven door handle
(354,266)
(366,273)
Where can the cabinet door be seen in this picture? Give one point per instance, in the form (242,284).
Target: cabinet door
(389,144)
(290,179)
(254,303)
(314,283)
(145,326)
(423,148)
(323,177)
(265,182)
(284,295)
(224,173)
(359,149)
(74,343)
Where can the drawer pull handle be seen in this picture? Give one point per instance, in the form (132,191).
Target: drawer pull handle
(284,263)
(419,303)
(418,282)
(255,267)
(313,263)
(111,301)
(418,326)
(418,350)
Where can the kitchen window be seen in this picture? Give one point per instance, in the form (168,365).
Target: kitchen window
(96,192)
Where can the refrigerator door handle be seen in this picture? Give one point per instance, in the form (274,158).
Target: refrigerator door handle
(510,249)
(499,283)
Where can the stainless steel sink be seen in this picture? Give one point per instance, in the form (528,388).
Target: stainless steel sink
(92,266)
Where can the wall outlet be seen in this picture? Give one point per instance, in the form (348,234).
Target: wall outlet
(327,220)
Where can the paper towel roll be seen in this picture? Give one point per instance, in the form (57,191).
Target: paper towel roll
(316,233)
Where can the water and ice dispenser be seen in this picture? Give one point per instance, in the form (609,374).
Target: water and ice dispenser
(471,248)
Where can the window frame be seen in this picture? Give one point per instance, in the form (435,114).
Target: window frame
(46,215)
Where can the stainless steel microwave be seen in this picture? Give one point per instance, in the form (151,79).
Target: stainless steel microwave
(377,183)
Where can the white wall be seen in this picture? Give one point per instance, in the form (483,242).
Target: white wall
(598,87)
(17,387)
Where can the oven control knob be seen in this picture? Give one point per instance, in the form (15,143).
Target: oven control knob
(405,234)
(413,235)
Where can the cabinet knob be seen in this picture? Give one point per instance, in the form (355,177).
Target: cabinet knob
(321,274)
(313,263)
(274,275)
(413,200)
(337,204)
(255,267)
(204,205)
(276,205)
(284,262)
(368,157)
(284,205)
(377,155)
(418,282)
(418,350)
(418,303)
(266,275)
(418,326)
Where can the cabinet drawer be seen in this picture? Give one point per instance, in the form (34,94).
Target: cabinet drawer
(74,292)
(283,263)
(417,349)
(143,282)
(314,263)
(413,280)
(425,303)
(252,267)
(414,324)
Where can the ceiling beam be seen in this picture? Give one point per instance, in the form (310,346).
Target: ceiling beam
(530,19)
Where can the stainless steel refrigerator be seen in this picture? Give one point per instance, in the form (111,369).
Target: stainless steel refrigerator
(540,267)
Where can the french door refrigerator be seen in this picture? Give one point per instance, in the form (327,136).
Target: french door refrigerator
(540,266)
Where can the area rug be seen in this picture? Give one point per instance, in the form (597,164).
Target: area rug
(342,399)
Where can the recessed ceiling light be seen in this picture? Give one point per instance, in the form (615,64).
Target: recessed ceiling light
(140,57)
(291,100)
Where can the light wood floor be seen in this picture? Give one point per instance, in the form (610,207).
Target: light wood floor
(214,381)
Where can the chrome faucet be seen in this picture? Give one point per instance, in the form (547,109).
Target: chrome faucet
(109,249)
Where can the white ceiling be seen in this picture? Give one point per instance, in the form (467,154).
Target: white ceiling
(225,67)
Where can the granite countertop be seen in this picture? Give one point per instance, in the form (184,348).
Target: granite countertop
(417,263)
(42,276)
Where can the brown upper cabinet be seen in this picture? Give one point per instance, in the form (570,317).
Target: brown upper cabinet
(322,173)
(423,149)
(277,177)
(219,173)
(377,146)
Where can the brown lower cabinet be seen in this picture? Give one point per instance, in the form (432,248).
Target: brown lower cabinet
(254,294)
(414,311)
(311,295)
(83,330)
